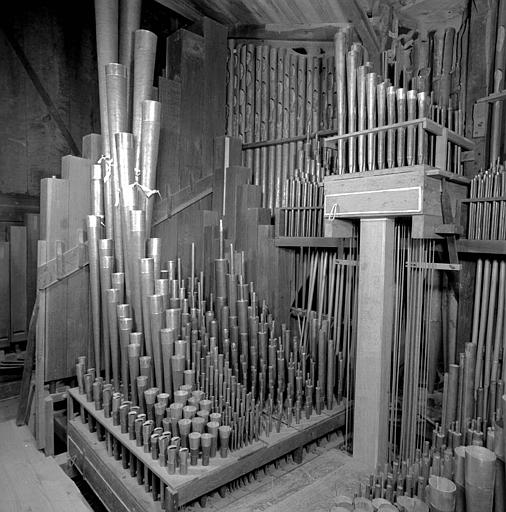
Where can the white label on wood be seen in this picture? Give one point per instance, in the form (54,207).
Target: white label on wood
(393,201)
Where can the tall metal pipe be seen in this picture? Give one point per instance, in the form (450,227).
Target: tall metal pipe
(362,116)
(137,240)
(340,79)
(94,234)
(129,22)
(401,132)
(144,67)
(371,83)
(351,82)
(391,119)
(150,136)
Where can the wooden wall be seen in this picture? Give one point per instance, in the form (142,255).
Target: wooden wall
(58,39)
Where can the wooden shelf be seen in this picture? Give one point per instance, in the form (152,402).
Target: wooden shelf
(481,246)
(310,241)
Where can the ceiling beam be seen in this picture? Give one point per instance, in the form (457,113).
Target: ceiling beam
(185,8)
(356,15)
(300,32)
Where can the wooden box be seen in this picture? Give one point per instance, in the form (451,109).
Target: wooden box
(413,191)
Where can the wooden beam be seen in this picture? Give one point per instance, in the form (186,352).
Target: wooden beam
(184,8)
(362,26)
(374,340)
(302,32)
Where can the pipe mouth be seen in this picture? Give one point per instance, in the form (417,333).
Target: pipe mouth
(442,484)
(116,69)
(480,453)
(124,140)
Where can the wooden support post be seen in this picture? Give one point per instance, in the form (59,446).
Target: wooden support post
(17,245)
(374,338)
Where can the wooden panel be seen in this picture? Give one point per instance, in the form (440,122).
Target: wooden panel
(227,152)
(78,173)
(92,147)
(54,223)
(5,295)
(169,149)
(215,63)
(186,64)
(18,253)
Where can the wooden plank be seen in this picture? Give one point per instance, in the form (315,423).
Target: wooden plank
(92,147)
(236,176)
(78,173)
(309,241)
(106,477)
(32,237)
(215,65)
(14,206)
(185,63)
(30,481)
(5,295)
(374,337)
(227,153)
(299,32)
(169,148)
(54,217)
(18,253)
(40,354)
(184,8)
(26,380)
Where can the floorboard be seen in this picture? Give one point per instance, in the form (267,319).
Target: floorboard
(29,481)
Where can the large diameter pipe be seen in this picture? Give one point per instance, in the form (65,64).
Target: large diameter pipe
(116,84)
(150,136)
(144,67)
(94,234)
(157,321)
(441,494)
(106,19)
(97,191)
(371,84)
(129,22)
(480,478)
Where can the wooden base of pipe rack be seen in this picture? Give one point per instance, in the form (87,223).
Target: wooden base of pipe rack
(121,492)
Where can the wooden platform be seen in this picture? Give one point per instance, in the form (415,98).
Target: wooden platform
(28,480)
(120,491)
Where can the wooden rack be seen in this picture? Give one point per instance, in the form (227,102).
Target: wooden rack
(88,453)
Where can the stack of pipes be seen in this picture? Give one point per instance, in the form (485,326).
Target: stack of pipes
(227,352)
(487,205)
(125,176)
(326,285)
(411,351)
(276,98)
(303,196)
(448,474)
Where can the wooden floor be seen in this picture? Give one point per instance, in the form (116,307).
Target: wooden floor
(29,481)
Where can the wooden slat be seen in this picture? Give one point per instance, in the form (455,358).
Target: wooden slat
(215,64)
(40,353)
(300,32)
(184,8)
(5,295)
(78,173)
(18,252)
(92,146)
(54,217)
(32,237)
